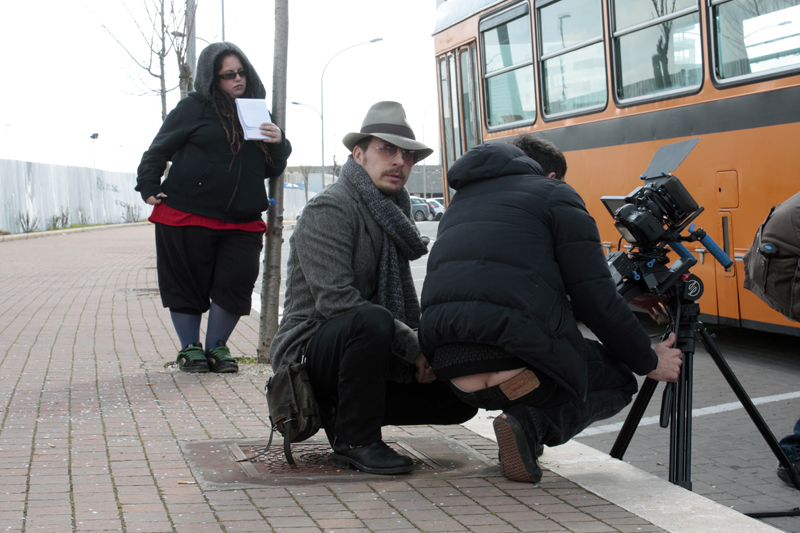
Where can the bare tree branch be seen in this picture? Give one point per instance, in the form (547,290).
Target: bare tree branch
(305,170)
(161,34)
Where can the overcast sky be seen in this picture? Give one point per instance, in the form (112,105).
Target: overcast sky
(67,78)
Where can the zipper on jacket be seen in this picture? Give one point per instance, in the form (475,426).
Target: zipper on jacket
(236,188)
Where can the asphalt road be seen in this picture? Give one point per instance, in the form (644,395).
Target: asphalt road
(730,460)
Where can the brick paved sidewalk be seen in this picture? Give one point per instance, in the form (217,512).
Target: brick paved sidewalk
(95,427)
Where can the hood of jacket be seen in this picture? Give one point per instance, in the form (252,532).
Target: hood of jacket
(205,70)
(488,161)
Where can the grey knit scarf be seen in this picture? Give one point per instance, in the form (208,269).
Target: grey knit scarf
(401,237)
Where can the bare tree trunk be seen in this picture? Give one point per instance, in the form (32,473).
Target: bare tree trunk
(185,79)
(271,280)
(185,48)
(161,58)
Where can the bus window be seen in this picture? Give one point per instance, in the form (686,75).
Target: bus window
(468,100)
(656,50)
(454,102)
(447,114)
(508,66)
(573,60)
(476,85)
(756,38)
(629,13)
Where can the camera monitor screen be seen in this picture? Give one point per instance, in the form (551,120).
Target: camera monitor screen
(613,203)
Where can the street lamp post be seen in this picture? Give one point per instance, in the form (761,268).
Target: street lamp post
(191,43)
(321,93)
(94,137)
(424,161)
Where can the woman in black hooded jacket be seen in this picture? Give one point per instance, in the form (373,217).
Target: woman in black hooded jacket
(208,209)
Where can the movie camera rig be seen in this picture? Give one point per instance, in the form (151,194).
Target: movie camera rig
(652,219)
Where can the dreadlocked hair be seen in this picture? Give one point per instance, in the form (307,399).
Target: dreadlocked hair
(228,117)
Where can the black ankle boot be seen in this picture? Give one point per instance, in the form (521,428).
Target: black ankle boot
(375,458)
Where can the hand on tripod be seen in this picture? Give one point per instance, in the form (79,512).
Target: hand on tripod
(669,361)
(654,307)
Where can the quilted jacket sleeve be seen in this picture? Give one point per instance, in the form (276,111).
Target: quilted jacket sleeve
(588,282)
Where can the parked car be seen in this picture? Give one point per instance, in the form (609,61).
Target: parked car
(420,209)
(438,208)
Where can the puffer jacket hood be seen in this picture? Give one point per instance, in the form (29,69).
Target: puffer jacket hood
(488,161)
(205,71)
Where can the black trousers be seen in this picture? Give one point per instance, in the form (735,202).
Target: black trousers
(552,416)
(346,362)
(197,265)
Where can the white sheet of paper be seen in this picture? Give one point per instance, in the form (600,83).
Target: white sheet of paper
(252,113)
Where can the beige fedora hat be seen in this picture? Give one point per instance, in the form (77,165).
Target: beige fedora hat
(387,121)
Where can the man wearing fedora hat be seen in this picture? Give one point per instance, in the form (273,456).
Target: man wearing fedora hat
(351,308)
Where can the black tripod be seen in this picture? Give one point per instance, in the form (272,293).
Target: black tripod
(677,400)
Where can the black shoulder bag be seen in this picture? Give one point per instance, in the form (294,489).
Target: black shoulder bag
(293,410)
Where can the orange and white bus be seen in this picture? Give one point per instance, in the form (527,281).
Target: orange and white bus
(610,81)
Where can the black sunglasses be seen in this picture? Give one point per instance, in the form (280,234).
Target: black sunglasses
(232,75)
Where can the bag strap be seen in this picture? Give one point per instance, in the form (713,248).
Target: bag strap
(266,448)
(287,443)
(287,447)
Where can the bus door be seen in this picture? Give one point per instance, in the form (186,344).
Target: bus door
(460,119)
(727,284)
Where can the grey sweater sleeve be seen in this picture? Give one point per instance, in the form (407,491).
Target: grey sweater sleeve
(325,246)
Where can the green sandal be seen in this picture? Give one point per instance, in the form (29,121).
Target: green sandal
(220,360)
(192,358)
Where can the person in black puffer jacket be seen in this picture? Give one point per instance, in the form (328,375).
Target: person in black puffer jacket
(208,209)
(517,260)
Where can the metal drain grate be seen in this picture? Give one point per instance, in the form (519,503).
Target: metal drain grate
(312,459)
(213,462)
(143,292)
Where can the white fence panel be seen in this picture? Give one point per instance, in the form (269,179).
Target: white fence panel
(37,197)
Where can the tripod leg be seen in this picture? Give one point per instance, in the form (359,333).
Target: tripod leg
(667,401)
(674,437)
(755,416)
(680,449)
(633,418)
(680,444)
(687,472)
